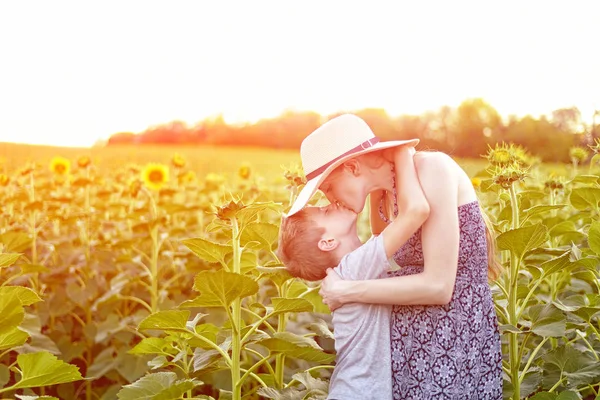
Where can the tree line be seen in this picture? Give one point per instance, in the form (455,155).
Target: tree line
(463,131)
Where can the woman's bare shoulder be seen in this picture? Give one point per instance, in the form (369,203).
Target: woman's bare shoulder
(435,161)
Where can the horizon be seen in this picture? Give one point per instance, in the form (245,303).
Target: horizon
(80,73)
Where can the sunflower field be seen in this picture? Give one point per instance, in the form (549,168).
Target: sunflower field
(154,276)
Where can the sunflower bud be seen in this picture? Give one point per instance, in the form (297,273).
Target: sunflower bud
(84,161)
(244,171)
(510,155)
(229,210)
(509,174)
(178,161)
(578,154)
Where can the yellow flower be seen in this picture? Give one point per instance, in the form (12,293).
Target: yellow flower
(178,160)
(155,176)
(84,161)
(580,154)
(60,166)
(187,177)
(244,171)
(476,182)
(4,180)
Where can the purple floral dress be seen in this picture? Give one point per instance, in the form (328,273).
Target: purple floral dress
(451,351)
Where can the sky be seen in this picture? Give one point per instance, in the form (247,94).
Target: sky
(74,72)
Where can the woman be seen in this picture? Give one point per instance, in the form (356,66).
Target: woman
(444,330)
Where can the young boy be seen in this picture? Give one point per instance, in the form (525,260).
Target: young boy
(318,238)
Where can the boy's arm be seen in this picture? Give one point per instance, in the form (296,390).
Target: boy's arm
(377,224)
(413,209)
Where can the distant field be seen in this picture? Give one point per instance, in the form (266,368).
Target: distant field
(201,159)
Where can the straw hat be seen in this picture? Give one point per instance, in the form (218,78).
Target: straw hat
(334,142)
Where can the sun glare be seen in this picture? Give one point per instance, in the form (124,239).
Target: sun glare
(72,81)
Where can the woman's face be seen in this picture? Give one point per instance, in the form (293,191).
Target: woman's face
(346,187)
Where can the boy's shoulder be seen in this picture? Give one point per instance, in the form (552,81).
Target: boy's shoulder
(347,268)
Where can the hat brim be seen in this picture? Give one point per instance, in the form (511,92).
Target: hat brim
(312,185)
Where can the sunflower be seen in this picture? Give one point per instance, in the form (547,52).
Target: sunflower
(178,161)
(187,177)
(4,180)
(155,176)
(60,166)
(244,171)
(84,161)
(579,154)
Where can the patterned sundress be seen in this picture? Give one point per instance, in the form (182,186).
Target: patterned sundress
(450,351)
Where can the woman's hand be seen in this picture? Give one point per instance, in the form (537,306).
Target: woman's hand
(333,288)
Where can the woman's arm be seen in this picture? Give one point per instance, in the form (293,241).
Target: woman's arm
(440,241)
(377,224)
(413,208)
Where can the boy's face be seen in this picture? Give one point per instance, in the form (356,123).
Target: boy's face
(337,221)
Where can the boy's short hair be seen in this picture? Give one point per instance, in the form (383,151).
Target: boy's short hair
(298,248)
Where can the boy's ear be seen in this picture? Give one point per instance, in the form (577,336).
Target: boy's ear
(328,244)
(352,166)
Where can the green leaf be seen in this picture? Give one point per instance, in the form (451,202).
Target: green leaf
(320,327)
(536,210)
(278,274)
(25,295)
(556,264)
(264,233)
(587,179)
(521,240)
(157,386)
(204,359)
(12,338)
(220,288)
(249,213)
(4,375)
(547,320)
(11,312)
(584,376)
(151,345)
(208,251)
(530,383)
(561,228)
(33,269)
(8,259)
(297,347)
(283,305)
(568,395)
(311,383)
(584,198)
(44,369)
(567,359)
(544,396)
(15,242)
(509,328)
(166,320)
(594,237)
